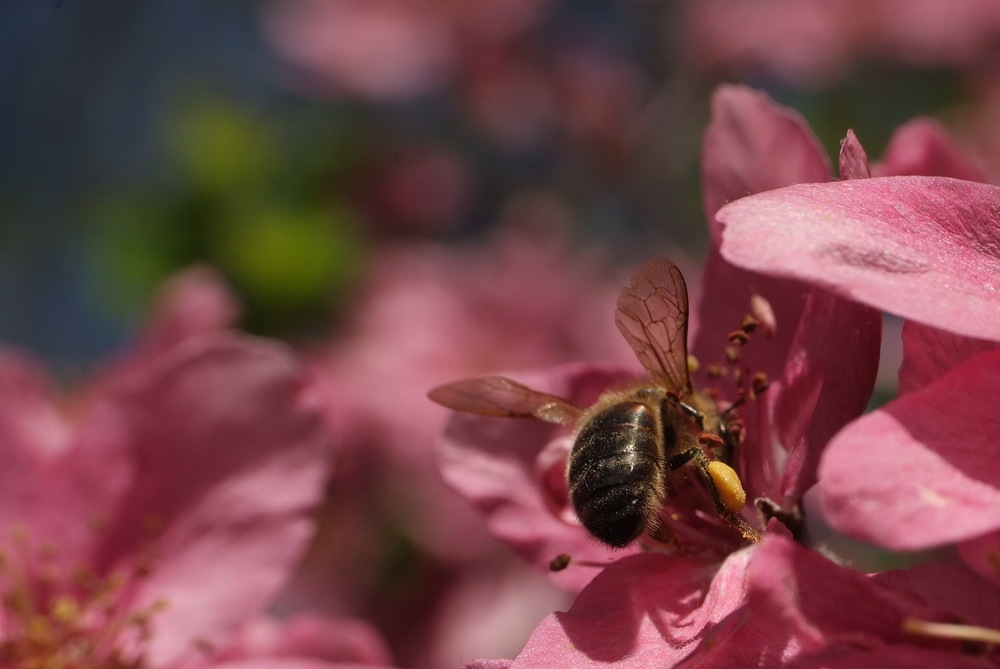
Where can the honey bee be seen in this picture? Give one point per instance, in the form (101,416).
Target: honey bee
(630,444)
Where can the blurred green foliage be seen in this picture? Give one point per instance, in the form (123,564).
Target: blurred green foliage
(242,192)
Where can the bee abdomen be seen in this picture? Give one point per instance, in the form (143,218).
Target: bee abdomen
(615,473)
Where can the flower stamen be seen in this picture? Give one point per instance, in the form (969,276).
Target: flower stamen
(952,631)
(54,618)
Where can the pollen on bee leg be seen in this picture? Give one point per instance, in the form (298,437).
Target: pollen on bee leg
(727,483)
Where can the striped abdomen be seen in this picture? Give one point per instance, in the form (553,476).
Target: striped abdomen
(615,473)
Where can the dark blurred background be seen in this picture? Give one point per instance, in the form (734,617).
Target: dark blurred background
(284,142)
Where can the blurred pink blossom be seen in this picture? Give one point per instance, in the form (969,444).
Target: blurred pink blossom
(419,188)
(581,100)
(502,77)
(192,302)
(150,518)
(379,49)
(974,122)
(815,41)
(390,49)
(305,641)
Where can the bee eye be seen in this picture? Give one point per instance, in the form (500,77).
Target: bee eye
(728,485)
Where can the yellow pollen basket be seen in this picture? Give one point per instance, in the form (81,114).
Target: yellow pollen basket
(727,483)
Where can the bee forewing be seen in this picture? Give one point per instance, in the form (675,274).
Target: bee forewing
(653,315)
(499,396)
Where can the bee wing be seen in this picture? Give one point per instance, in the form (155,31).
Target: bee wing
(499,396)
(653,316)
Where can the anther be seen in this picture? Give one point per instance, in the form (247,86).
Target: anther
(716,371)
(738,337)
(758,384)
(762,311)
(559,562)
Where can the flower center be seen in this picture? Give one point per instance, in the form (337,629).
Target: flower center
(56,617)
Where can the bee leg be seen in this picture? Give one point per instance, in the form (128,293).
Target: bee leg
(712,480)
(678,460)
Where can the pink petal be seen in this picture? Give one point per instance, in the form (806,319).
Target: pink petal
(229,458)
(308,636)
(853,159)
(804,611)
(513,470)
(645,610)
(386,51)
(829,378)
(925,248)
(291,663)
(896,657)
(754,145)
(815,602)
(929,353)
(803,42)
(192,302)
(982,554)
(923,147)
(33,436)
(922,471)
(950,587)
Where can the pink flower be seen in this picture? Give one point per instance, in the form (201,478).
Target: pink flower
(303,642)
(921,471)
(804,611)
(419,188)
(642,606)
(505,78)
(145,524)
(778,605)
(644,610)
(718,608)
(814,41)
(426,314)
(390,49)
